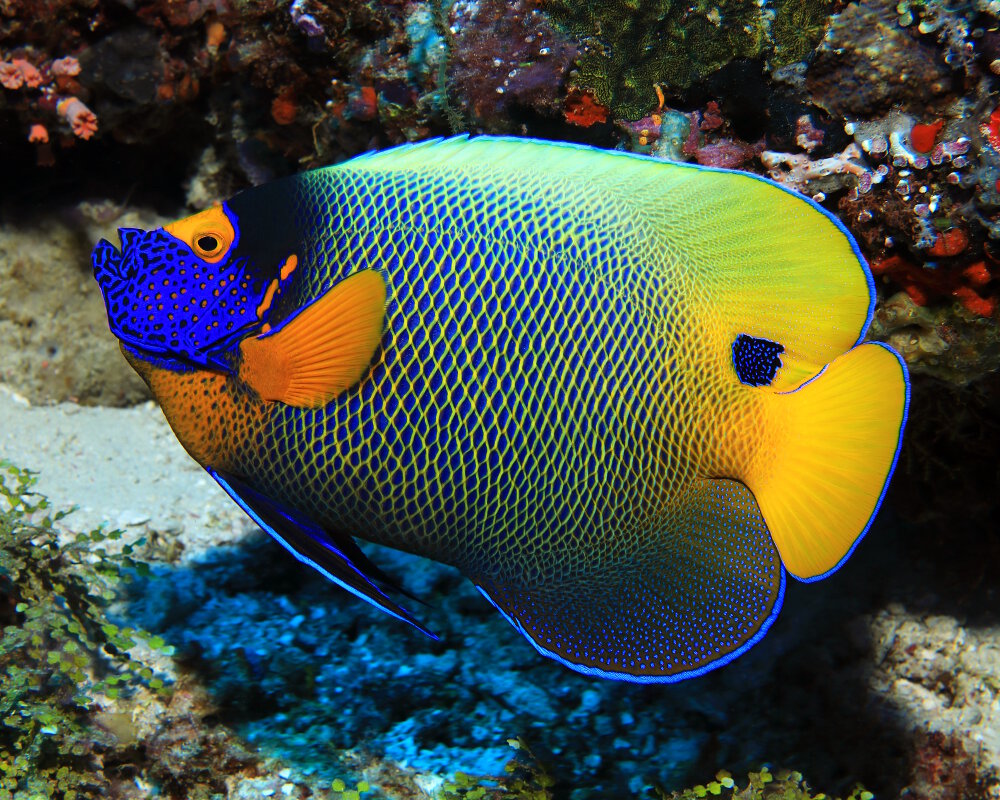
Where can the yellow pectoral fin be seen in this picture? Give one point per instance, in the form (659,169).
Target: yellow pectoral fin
(841,437)
(323,350)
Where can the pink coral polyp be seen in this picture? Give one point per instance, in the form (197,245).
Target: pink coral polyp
(29,72)
(81,119)
(38,134)
(10,76)
(67,66)
(17,73)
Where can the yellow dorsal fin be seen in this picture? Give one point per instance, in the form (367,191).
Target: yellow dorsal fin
(830,449)
(323,350)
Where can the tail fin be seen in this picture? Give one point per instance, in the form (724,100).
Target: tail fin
(820,491)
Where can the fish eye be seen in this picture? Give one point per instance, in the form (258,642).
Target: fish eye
(208,244)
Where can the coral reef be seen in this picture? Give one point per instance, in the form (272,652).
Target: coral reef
(944,769)
(629,48)
(704,137)
(506,61)
(43,95)
(154,70)
(818,176)
(910,83)
(868,63)
(918,185)
(947,341)
(934,669)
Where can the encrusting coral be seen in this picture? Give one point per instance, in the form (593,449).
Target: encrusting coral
(630,47)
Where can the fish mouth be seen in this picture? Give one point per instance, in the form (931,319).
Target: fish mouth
(115,269)
(112,272)
(107,261)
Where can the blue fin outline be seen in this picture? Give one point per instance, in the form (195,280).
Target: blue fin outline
(628,677)
(337,567)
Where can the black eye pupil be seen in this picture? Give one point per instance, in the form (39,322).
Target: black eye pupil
(207,243)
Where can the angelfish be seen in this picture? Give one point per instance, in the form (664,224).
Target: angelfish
(623,396)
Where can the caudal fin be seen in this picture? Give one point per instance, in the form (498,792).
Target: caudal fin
(841,433)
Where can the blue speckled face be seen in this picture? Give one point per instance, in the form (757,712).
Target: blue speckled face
(188,292)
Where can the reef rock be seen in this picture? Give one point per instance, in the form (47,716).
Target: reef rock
(867,63)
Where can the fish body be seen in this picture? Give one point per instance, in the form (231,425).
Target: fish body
(623,396)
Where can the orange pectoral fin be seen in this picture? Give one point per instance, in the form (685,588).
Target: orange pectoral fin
(321,351)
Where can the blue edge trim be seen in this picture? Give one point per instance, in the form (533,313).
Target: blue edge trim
(766,625)
(632,678)
(888,476)
(235,496)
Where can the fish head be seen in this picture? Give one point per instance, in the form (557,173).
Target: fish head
(189,291)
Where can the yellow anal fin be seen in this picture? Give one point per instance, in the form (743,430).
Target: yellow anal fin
(842,431)
(321,351)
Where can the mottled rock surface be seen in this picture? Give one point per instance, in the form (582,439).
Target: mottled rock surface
(53,326)
(868,63)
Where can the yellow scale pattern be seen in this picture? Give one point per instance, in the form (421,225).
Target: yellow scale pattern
(541,413)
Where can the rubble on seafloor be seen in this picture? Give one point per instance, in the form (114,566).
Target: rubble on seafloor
(941,675)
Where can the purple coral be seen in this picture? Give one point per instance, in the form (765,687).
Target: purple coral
(304,21)
(506,55)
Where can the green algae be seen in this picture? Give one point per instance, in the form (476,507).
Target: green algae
(760,785)
(524,778)
(61,656)
(631,46)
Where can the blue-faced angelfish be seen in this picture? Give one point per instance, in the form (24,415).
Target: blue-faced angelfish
(623,396)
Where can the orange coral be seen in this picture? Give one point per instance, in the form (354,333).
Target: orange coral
(187,88)
(38,133)
(974,302)
(581,108)
(215,35)
(81,119)
(977,274)
(32,77)
(67,67)
(950,242)
(991,129)
(922,283)
(922,136)
(363,104)
(283,108)
(10,76)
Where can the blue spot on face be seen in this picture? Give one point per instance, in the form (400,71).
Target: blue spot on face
(756,360)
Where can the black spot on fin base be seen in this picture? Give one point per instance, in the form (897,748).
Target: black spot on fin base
(692,597)
(757,361)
